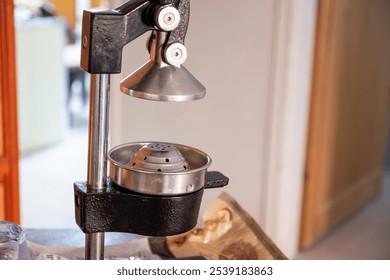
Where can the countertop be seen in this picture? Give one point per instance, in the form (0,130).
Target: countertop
(67,237)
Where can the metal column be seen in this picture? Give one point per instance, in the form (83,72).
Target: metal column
(97,153)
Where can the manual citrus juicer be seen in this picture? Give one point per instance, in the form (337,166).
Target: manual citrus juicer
(153,188)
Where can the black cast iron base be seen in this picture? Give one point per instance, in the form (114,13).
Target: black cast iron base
(119,210)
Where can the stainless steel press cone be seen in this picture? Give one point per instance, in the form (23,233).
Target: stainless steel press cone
(162,83)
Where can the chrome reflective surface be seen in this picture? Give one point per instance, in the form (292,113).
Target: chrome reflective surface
(97,153)
(168,83)
(98,131)
(126,174)
(156,80)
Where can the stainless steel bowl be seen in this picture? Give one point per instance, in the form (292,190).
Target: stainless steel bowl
(158,168)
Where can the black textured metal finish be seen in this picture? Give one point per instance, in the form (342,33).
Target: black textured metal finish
(119,210)
(179,33)
(105,33)
(215,179)
(116,210)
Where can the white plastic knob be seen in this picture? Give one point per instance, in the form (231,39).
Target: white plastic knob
(167,18)
(176,54)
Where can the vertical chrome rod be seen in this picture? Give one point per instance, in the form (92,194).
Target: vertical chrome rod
(97,153)
(98,131)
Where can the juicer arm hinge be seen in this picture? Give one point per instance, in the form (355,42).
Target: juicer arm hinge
(105,33)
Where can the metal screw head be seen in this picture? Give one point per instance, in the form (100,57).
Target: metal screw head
(190,187)
(175,54)
(167,18)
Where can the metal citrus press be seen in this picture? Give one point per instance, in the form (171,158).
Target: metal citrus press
(150,188)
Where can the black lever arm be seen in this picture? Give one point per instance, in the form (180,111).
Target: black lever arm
(105,33)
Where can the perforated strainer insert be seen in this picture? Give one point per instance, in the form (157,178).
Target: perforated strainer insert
(159,157)
(158,168)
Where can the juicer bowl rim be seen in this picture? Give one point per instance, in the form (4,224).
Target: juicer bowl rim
(143,143)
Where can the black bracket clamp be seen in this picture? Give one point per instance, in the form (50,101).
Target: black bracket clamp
(118,210)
